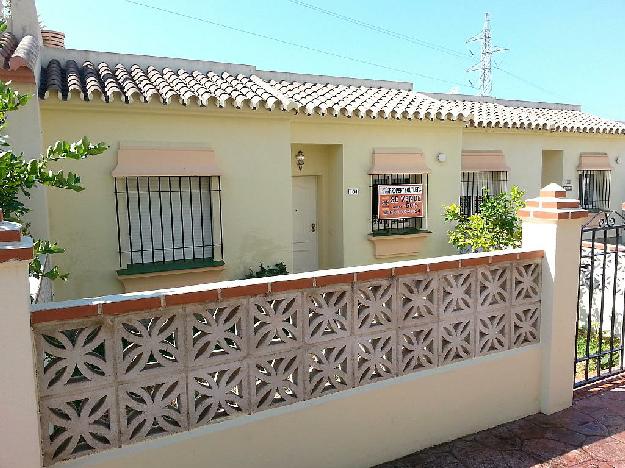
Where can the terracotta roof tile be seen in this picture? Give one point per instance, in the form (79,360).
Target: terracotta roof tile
(26,54)
(8,44)
(328,96)
(93,89)
(143,83)
(111,88)
(361,101)
(17,54)
(52,79)
(74,84)
(533,116)
(116,81)
(129,88)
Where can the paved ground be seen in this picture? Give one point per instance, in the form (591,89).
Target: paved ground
(589,434)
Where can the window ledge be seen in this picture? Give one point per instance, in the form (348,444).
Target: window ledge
(398,245)
(169,268)
(400,234)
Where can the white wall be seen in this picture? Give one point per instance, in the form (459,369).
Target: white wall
(19,425)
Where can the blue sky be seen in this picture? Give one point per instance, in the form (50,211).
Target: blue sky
(570,51)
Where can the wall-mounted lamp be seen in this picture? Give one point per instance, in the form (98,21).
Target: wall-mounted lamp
(299,159)
(618,160)
(441,157)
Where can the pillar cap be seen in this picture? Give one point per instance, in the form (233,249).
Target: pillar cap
(553,190)
(12,245)
(10,232)
(552,204)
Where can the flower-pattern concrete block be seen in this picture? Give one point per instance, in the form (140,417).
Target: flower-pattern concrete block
(109,380)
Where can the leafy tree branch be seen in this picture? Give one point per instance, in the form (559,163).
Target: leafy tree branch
(495,227)
(19,176)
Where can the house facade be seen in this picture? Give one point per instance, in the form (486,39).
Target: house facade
(214,168)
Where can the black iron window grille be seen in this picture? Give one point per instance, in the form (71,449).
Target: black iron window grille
(594,190)
(402,225)
(168,219)
(473,185)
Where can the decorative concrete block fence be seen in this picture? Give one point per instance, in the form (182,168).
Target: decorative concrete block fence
(369,362)
(150,367)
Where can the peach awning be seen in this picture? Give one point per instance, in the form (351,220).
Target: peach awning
(483,161)
(594,162)
(398,161)
(143,161)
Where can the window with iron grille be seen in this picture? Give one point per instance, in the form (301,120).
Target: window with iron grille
(402,225)
(168,220)
(594,190)
(473,185)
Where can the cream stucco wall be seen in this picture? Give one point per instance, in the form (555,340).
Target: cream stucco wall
(523,151)
(357,139)
(256,152)
(355,428)
(19,425)
(256,191)
(25,136)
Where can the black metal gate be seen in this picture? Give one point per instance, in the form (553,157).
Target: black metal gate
(600,299)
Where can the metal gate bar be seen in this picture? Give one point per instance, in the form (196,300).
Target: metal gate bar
(600,328)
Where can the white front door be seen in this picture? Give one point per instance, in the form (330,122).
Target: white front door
(305,250)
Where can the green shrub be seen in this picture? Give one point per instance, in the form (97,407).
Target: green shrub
(263,272)
(495,227)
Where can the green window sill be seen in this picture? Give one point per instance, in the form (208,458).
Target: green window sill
(174,265)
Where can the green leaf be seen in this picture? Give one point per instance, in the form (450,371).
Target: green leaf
(263,271)
(495,227)
(19,175)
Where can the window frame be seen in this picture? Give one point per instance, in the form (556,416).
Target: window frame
(199,196)
(400,226)
(598,198)
(495,181)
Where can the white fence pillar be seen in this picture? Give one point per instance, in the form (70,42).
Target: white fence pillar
(19,424)
(552,223)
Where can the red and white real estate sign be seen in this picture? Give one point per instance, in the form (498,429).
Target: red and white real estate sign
(400,201)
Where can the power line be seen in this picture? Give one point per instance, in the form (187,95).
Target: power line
(292,44)
(529,83)
(379,29)
(411,39)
